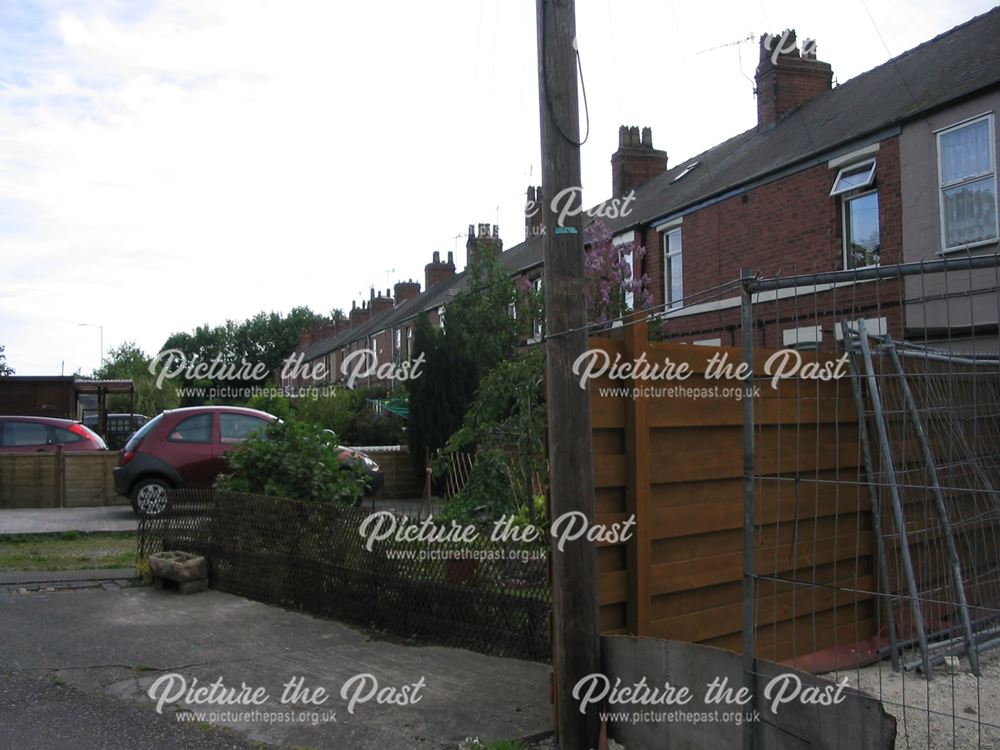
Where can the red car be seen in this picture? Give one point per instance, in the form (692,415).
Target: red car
(45,434)
(188,447)
(181,448)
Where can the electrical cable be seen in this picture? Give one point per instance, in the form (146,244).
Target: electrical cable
(545,84)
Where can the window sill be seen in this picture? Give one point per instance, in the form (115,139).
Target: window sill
(970,246)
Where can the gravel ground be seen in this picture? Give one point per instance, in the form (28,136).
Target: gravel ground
(964,710)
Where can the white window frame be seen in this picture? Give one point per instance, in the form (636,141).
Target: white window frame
(844,200)
(536,324)
(807,338)
(620,242)
(942,186)
(668,303)
(839,189)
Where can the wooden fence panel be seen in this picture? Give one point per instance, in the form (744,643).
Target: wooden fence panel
(58,479)
(676,462)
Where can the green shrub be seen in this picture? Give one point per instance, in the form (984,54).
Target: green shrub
(273,402)
(348,413)
(293,459)
(488,488)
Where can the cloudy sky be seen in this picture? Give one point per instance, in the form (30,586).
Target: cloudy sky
(170,163)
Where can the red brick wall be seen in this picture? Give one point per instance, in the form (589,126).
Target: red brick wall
(791,226)
(781,228)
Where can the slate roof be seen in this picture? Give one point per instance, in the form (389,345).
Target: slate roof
(519,258)
(953,65)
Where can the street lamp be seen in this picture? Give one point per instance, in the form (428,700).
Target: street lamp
(101,329)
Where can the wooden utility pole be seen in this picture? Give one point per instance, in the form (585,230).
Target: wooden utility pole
(576,644)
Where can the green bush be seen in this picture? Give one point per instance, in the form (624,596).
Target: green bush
(273,402)
(348,413)
(488,488)
(296,460)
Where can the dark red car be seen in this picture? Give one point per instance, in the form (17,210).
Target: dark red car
(181,448)
(45,434)
(187,448)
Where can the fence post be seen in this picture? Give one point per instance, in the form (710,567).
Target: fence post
(637,458)
(60,472)
(749,659)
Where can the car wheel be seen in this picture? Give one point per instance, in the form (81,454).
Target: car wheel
(149,497)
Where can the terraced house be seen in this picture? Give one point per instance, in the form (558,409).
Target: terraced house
(895,165)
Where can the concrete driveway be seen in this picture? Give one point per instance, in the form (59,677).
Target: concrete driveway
(118,643)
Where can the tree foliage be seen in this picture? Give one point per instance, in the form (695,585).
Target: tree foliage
(505,427)
(479,333)
(266,338)
(5,369)
(128,362)
(609,279)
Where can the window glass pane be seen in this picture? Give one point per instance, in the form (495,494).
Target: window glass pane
(17,434)
(676,280)
(965,152)
(862,231)
(65,436)
(628,274)
(235,428)
(673,269)
(196,429)
(854,177)
(970,212)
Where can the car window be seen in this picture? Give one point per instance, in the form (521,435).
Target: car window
(235,428)
(17,434)
(64,436)
(196,429)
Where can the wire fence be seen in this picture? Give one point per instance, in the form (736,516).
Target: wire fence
(476,593)
(873,544)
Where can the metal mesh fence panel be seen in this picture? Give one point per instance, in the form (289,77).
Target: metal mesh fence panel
(484,595)
(876,539)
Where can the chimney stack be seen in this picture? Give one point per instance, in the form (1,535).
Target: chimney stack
(486,241)
(404,290)
(379,304)
(787,77)
(534,213)
(358,313)
(437,272)
(636,161)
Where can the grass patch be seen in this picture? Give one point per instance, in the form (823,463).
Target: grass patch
(70,550)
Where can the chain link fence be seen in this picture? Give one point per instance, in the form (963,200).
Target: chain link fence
(484,595)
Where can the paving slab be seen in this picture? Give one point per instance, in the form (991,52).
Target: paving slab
(54,520)
(119,643)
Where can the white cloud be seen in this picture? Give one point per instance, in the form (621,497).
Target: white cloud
(198,160)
